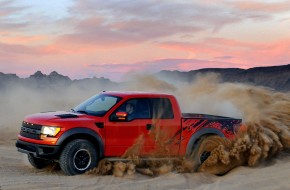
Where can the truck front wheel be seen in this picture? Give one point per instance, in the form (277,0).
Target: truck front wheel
(78,156)
(37,163)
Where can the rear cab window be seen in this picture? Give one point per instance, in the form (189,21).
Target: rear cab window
(162,108)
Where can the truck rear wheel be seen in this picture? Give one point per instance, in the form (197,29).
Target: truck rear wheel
(203,149)
(78,156)
(37,163)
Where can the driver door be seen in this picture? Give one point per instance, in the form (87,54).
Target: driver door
(126,135)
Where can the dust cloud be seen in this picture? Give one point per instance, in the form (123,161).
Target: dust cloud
(266,126)
(265,113)
(265,131)
(18,100)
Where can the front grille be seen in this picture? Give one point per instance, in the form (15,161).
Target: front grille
(30,130)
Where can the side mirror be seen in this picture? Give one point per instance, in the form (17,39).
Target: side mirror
(121,116)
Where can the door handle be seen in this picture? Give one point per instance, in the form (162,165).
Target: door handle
(149,126)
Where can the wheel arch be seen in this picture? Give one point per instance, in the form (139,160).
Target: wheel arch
(198,135)
(82,133)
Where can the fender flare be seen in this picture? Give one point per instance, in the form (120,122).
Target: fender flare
(198,134)
(82,131)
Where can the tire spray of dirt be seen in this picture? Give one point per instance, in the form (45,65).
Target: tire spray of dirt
(266,122)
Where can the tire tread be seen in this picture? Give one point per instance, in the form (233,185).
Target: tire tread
(64,160)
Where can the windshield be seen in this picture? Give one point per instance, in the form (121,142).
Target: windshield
(97,105)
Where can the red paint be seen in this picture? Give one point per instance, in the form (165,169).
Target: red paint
(117,136)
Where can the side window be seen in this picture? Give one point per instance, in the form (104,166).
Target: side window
(143,108)
(162,108)
(138,108)
(125,107)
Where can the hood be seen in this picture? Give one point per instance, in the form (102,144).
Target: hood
(58,117)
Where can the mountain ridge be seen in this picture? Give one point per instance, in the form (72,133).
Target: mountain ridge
(276,77)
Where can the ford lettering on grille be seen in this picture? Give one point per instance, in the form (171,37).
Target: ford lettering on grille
(29,130)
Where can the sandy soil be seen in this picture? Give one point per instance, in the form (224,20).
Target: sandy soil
(16,173)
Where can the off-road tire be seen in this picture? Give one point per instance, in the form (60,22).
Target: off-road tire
(202,149)
(37,163)
(77,157)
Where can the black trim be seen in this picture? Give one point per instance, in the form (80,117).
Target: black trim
(38,150)
(82,131)
(100,124)
(206,116)
(30,130)
(149,126)
(197,135)
(31,125)
(64,116)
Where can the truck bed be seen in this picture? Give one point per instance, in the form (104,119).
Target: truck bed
(204,116)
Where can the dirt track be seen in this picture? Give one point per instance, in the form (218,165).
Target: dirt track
(16,173)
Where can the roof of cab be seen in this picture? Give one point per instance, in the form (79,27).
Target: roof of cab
(135,94)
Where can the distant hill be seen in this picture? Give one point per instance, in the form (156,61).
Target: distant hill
(276,77)
(53,80)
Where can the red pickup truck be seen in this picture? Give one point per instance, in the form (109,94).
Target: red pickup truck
(107,124)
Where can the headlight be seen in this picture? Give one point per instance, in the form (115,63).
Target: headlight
(50,131)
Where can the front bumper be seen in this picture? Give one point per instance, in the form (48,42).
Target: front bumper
(38,150)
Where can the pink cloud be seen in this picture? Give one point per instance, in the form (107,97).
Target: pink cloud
(267,7)
(16,49)
(118,71)
(117,23)
(241,53)
(13,38)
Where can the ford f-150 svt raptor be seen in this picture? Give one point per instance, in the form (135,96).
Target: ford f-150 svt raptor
(107,124)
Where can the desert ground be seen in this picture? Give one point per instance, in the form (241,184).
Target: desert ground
(16,173)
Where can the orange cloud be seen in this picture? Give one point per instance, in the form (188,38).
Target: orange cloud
(10,38)
(267,7)
(241,53)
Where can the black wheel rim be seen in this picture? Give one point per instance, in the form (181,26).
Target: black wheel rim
(204,156)
(82,159)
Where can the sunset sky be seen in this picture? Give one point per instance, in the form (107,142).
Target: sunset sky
(111,38)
